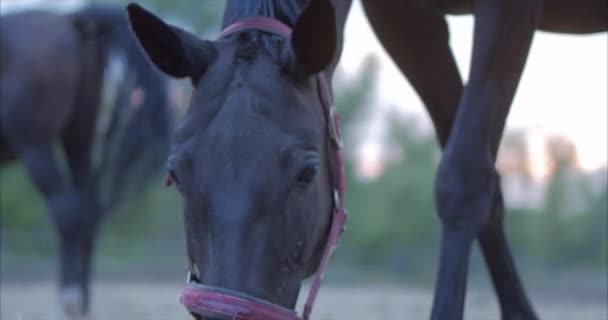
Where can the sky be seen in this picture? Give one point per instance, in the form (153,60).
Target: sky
(563,90)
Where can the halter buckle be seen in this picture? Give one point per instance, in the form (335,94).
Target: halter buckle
(337,202)
(334,130)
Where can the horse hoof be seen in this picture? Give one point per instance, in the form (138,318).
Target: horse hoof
(72,303)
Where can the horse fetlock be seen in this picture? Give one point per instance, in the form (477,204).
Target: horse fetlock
(73,304)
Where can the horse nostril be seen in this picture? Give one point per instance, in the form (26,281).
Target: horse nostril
(297,254)
(295,260)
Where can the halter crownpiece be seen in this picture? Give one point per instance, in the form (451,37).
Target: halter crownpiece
(205,300)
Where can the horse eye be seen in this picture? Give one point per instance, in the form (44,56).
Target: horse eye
(307,174)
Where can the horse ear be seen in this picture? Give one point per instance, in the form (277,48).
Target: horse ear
(313,39)
(174,51)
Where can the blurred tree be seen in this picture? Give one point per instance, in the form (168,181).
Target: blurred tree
(353,96)
(21,207)
(562,159)
(597,227)
(570,227)
(561,153)
(199,17)
(391,218)
(514,157)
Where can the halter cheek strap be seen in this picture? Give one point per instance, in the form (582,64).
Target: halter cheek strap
(218,302)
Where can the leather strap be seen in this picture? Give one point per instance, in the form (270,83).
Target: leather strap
(257,23)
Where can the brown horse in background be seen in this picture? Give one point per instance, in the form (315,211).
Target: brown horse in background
(52,69)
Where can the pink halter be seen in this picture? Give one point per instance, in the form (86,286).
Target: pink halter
(218,302)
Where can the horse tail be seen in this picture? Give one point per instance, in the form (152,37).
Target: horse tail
(134,119)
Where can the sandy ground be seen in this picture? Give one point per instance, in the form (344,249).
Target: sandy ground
(148,301)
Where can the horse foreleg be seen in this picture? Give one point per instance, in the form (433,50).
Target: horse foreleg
(417,40)
(467,185)
(514,302)
(76,228)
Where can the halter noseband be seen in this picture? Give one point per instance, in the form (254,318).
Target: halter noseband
(219,302)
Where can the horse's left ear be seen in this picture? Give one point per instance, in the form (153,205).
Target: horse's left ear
(313,39)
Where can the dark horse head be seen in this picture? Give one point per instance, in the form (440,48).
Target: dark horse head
(252,156)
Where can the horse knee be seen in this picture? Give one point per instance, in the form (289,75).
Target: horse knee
(464,192)
(73,214)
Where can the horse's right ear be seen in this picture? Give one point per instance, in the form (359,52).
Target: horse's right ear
(174,51)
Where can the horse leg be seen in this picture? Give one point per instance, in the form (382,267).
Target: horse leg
(77,143)
(76,229)
(418,43)
(467,185)
(514,303)
(417,39)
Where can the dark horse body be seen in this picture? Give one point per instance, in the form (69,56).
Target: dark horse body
(52,74)
(254,110)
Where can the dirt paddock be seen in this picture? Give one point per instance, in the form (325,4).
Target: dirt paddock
(148,301)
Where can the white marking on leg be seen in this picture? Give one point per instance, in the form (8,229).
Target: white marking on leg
(72,303)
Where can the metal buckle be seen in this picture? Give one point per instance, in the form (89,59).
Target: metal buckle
(334,131)
(337,203)
(193,274)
